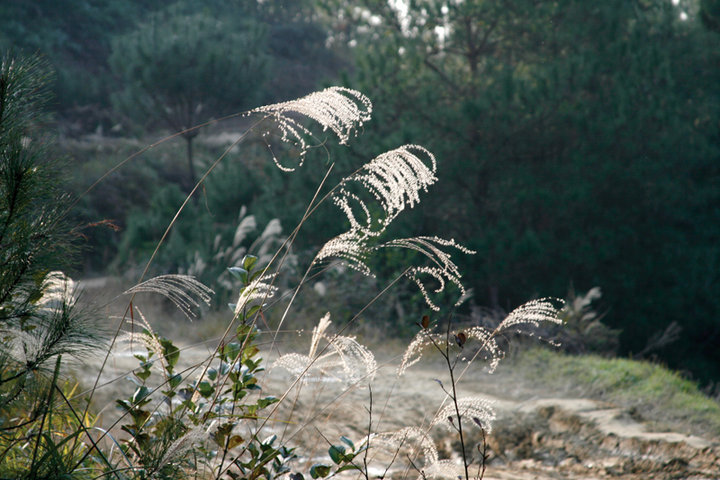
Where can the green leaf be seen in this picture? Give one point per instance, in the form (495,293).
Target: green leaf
(347,442)
(222,432)
(239,273)
(170,352)
(319,470)
(264,402)
(252,311)
(234,441)
(205,389)
(249,262)
(231,350)
(175,380)
(337,453)
(347,467)
(140,395)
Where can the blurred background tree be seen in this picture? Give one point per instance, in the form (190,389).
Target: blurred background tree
(577,143)
(74,37)
(183,69)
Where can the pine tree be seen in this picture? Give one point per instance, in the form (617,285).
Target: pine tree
(38,319)
(180,69)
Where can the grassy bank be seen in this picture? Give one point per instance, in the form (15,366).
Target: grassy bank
(654,393)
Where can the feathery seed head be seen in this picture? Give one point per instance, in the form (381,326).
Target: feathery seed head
(181,446)
(343,359)
(339,109)
(394,179)
(532,313)
(350,247)
(413,353)
(443,269)
(258,289)
(488,344)
(147,338)
(442,469)
(184,291)
(414,439)
(58,290)
(476,410)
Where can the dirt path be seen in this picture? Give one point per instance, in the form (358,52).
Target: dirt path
(536,435)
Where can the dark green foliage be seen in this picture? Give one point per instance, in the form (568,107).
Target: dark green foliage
(577,143)
(38,319)
(75,36)
(710,14)
(33,238)
(182,69)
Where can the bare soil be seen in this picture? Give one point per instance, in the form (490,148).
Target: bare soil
(537,434)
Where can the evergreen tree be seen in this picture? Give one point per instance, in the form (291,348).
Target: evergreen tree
(182,69)
(578,143)
(38,321)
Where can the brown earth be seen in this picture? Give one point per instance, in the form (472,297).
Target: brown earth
(536,435)
(539,433)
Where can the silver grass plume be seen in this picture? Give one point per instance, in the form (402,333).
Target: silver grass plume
(487,340)
(414,439)
(476,410)
(350,247)
(258,289)
(443,269)
(344,359)
(442,469)
(146,338)
(395,179)
(418,441)
(532,313)
(178,449)
(56,327)
(413,353)
(423,339)
(339,109)
(181,290)
(58,290)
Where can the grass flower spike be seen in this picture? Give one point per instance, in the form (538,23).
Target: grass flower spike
(343,359)
(339,109)
(394,179)
(184,291)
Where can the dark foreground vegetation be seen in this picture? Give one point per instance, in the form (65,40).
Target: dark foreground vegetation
(578,142)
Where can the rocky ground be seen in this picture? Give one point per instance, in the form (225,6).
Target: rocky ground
(537,434)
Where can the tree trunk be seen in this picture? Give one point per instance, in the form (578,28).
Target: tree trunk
(191,165)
